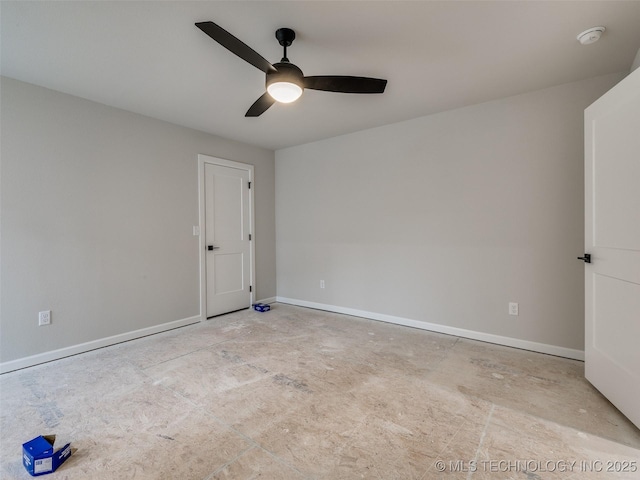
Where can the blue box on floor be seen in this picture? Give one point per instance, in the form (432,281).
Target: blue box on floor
(261,307)
(39,457)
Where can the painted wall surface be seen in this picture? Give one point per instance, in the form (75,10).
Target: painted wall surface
(98,206)
(636,61)
(446,218)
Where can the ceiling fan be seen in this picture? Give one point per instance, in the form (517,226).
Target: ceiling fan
(285,81)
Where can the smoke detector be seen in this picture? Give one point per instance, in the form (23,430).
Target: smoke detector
(591,35)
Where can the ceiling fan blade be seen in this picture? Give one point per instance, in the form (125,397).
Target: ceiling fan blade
(235,46)
(260,106)
(345,84)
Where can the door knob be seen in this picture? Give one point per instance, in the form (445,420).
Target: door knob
(586,258)
(211,247)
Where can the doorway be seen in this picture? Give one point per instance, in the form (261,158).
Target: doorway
(227,249)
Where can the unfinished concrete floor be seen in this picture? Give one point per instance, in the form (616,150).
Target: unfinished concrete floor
(297,393)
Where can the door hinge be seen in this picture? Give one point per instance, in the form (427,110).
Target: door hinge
(250,288)
(249,184)
(249,237)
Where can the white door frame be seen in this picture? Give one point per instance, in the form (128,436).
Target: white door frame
(206,159)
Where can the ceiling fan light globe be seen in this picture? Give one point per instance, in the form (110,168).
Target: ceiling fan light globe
(284,92)
(285,85)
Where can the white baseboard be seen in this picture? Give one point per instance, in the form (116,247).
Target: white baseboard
(434,327)
(30,361)
(92,345)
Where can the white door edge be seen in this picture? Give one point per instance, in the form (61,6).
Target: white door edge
(207,159)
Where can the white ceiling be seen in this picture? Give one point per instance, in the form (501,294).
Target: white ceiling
(148,57)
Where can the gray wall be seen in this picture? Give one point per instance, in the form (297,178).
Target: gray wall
(636,61)
(446,218)
(98,206)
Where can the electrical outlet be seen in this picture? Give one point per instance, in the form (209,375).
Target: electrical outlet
(321,283)
(44,318)
(513,308)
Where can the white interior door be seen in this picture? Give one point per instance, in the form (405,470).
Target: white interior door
(227,239)
(612,230)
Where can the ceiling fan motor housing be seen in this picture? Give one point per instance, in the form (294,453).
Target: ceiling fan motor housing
(286,72)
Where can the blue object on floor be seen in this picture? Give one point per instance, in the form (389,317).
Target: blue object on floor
(261,307)
(39,458)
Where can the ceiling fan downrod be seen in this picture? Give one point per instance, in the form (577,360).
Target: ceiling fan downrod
(285,37)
